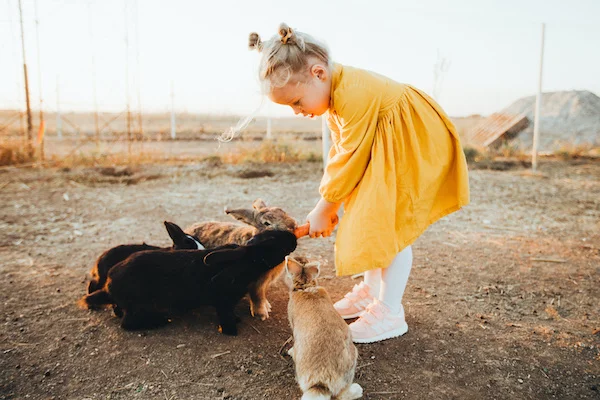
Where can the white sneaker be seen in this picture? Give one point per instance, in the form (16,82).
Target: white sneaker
(355,302)
(378,323)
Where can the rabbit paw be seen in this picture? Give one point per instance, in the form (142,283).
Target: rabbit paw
(262,310)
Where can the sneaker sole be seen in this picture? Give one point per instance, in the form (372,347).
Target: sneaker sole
(384,336)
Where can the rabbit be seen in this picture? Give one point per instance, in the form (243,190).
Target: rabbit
(149,286)
(258,219)
(323,352)
(116,254)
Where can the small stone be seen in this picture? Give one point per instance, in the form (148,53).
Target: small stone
(179,346)
(520,380)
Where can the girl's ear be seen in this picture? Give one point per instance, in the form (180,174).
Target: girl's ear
(319,72)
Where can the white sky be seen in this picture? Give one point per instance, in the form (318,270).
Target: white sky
(493,47)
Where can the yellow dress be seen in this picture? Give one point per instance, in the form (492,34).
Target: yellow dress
(396,163)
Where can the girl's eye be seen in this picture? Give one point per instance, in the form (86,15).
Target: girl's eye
(297,103)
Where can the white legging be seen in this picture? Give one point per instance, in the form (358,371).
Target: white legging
(388,284)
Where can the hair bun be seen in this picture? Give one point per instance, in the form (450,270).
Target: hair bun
(286,33)
(254,42)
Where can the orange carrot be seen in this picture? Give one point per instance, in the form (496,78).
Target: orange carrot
(302,230)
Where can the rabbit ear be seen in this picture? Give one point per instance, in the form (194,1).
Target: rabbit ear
(285,263)
(258,204)
(175,232)
(224,255)
(312,270)
(293,267)
(245,215)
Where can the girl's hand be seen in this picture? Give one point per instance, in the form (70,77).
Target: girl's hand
(323,219)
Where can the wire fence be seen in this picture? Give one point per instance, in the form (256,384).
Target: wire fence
(138,119)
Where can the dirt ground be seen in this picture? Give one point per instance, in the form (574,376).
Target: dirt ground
(502,303)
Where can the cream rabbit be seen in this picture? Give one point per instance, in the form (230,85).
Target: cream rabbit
(323,352)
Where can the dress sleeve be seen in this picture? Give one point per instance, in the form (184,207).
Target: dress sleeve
(357,110)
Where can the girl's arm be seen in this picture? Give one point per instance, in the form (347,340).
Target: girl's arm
(357,108)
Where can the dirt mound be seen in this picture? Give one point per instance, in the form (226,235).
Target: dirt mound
(566,118)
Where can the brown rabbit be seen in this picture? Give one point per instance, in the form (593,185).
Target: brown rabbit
(323,352)
(260,218)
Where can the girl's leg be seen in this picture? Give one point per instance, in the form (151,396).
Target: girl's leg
(356,301)
(394,279)
(373,281)
(384,318)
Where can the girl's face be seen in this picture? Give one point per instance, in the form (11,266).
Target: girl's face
(308,96)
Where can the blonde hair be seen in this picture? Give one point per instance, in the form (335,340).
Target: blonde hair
(283,56)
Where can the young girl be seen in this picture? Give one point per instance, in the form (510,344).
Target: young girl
(396,164)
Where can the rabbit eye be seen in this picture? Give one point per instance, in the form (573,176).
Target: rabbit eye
(266,223)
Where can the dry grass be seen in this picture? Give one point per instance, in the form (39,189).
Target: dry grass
(570,151)
(472,154)
(14,151)
(509,150)
(269,152)
(100,159)
(512,151)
